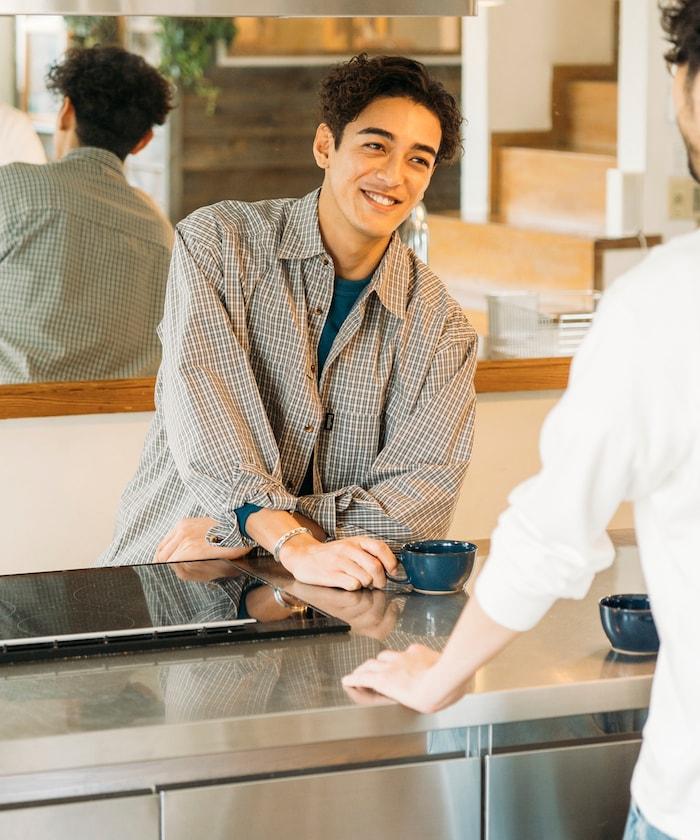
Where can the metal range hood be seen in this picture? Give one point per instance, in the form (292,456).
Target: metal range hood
(251,8)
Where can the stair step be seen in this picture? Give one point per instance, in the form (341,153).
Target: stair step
(588,113)
(558,190)
(500,256)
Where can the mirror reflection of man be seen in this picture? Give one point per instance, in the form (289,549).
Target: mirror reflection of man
(628,428)
(316,392)
(83,255)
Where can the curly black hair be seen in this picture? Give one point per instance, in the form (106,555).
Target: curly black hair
(680,20)
(117,96)
(350,87)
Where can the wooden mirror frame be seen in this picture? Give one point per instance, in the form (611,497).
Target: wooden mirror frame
(49,399)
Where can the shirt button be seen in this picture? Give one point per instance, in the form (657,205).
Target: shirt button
(313,368)
(216,540)
(318,311)
(326,261)
(308,428)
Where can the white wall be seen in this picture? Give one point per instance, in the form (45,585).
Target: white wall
(62,478)
(7,64)
(60,484)
(526,38)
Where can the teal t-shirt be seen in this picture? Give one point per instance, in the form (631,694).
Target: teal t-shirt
(345,295)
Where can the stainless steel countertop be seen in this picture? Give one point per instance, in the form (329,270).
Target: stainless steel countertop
(265,695)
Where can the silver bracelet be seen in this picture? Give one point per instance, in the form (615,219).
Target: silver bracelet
(295,606)
(279,598)
(283,539)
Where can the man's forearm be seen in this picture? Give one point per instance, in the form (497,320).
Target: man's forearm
(475,640)
(266,526)
(313,526)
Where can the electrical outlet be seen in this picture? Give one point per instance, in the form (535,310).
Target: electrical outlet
(683,199)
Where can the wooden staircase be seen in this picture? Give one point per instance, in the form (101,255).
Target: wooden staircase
(548,202)
(556,179)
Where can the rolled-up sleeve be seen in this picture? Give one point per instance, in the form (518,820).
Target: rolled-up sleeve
(217,428)
(413,484)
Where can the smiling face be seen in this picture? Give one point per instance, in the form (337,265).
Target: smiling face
(379,171)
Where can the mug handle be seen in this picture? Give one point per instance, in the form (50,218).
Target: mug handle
(393,578)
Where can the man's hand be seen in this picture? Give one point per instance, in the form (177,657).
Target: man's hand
(187,541)
(424,680)
(350,563)
(369,612)
(406,677)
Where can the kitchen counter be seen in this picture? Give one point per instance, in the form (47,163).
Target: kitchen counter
(137,722)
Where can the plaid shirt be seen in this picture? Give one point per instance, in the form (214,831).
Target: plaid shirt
(83,267)
(240,411)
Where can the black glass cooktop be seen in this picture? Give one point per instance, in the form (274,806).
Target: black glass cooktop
(88,612)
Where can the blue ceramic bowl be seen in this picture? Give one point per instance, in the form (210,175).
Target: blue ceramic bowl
(437,567)
(629,624)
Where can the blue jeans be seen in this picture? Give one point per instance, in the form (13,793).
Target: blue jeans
(638,828)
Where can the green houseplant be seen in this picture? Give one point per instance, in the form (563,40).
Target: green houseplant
(90,30)
(188,50)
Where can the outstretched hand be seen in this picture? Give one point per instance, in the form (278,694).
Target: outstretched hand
(427,681)
(404,676)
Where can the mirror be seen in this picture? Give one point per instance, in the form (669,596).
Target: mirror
(244,133)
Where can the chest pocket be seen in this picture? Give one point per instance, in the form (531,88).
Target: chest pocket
(349,449)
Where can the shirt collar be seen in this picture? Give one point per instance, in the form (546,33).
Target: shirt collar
(102,156)
(391,279)
(301,239)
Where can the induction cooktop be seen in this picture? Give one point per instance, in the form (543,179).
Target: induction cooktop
(87,612)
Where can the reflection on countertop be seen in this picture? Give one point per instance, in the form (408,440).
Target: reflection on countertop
(563,665)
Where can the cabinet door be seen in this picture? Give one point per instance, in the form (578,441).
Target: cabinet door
(132,817)
(437,800)
(569,793)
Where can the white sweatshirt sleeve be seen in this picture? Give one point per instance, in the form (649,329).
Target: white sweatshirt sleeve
(610,438)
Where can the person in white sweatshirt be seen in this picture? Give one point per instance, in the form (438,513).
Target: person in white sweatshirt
(19,143)
(627,428)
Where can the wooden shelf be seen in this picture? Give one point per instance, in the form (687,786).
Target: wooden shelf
(51,399)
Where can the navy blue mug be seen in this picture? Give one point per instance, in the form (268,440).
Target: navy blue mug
(629,624)
(436,567)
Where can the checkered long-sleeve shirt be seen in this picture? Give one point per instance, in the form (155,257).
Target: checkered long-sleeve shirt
(240,411)
(83,266)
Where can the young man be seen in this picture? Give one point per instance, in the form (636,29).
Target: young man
(316,392)
(628,427)
(84,256)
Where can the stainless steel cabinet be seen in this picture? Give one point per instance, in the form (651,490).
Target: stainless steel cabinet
(566,793)
(132,817)
(437,800)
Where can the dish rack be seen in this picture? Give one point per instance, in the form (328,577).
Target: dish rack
(527,324)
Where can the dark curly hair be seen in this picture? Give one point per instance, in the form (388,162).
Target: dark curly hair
(117,96)
(350,87)
(680,20)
